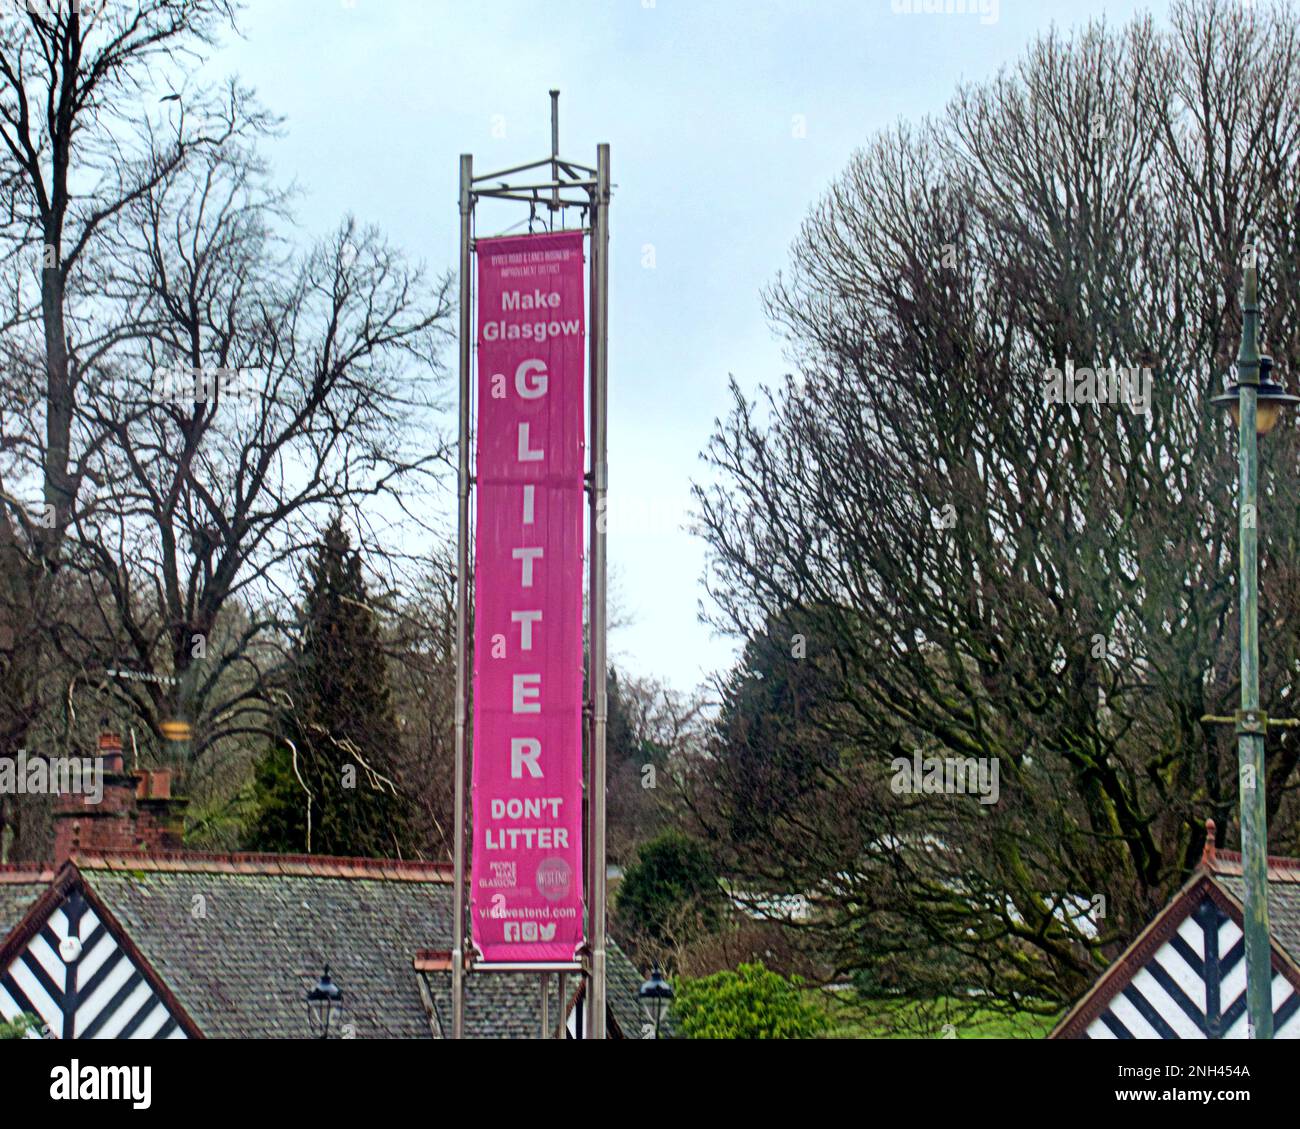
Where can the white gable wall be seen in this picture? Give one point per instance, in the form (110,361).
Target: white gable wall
(91,987)
(1171,995)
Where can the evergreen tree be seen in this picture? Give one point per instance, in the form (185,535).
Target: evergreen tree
(337,715)
(773,744)
(670,895)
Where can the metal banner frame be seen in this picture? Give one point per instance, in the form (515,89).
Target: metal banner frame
(571,185)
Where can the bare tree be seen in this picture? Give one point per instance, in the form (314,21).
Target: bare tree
(987,569)
(421,641)
(70,162)
(189,393)
(269,389)
(653,731)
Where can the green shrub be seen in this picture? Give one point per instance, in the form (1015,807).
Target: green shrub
(17,1028)
(750,1003)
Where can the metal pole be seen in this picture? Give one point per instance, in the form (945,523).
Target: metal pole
(561,984)
(1250,738)
(588,708)
(555,149)
(462,604)
(546,1014)
(599,485)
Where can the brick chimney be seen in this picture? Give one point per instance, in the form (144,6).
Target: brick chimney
(159,816)
(137,811)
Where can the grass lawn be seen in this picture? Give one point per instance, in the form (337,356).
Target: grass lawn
(912,1019)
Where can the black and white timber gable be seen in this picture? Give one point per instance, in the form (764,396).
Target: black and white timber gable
(72,970)
(1185,975)
(1194,987)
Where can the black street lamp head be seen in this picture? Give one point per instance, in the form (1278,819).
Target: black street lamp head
(1271,398)
(321,1000)
(655,995)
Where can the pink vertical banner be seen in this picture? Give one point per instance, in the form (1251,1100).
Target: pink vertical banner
(526,876)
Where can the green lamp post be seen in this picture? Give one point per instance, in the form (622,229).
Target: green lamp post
(1255,402)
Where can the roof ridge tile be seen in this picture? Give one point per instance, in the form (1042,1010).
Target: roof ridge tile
(255,863)
(26,873)
(1281,868)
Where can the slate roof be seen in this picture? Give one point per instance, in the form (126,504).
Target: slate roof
(493,1001)
(19,887)
(1283,896)
(239,940)
(622,982)
(507,1005)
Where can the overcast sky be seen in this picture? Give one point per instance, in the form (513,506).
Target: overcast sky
(726,120)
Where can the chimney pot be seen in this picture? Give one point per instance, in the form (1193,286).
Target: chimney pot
(110,750)
(153,784)
(160,785)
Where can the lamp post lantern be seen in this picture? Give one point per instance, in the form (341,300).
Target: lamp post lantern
(655,995)
(1255,401)
(321,1000)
